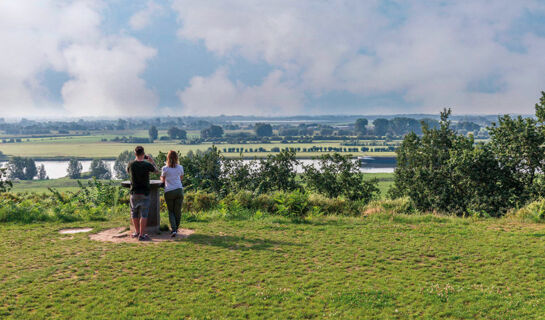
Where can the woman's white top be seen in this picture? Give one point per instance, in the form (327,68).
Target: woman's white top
(172,177)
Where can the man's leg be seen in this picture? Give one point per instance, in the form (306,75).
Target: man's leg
(143,223)
(135,216)
(144,209)
(136,223)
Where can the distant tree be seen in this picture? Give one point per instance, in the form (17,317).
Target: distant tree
(153,133)
(360,127)
(381,127)
(263,130)
(21,168)
(74,169)
(212,132)
(5,185)
(121,124)
(177,133)
(100,170)
(466,126)
(42,175)
(401,125)
(121,163)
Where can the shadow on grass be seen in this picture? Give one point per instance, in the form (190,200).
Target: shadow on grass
(237,243)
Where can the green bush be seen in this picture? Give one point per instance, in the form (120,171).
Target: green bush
(534,211)
(294,205)
(402,205)
(199,201)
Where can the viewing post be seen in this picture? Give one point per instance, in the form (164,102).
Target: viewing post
(154,218)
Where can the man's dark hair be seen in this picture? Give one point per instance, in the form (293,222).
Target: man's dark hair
(139,151)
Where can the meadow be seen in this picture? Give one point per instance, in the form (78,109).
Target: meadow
(375,267)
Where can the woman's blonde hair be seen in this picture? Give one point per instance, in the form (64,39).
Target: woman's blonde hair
(172,159)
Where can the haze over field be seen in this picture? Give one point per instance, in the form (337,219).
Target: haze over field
(180,57)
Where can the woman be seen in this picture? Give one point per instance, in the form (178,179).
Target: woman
(171,175)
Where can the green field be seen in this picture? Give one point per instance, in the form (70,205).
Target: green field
(377,267)
(109,150)
(40,186)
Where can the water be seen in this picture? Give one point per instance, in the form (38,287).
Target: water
(57,169)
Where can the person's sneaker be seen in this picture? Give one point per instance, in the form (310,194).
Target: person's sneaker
(144,238)
(173,234)
(135,235)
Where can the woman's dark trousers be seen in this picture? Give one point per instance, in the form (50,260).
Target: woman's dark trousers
(174,200)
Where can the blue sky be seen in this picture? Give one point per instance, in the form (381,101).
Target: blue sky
(182,57)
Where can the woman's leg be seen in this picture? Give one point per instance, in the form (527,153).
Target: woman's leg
(178,207)
(170,199)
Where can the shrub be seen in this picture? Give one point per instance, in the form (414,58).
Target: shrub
(534,211)
(294,205)
(199,201)
(402,205)
(333,206)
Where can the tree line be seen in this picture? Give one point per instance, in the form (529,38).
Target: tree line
(448,172)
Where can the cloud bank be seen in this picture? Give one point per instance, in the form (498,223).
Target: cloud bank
(419,56)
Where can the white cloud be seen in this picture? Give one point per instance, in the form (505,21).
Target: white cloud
(106,79)
(65,36)
(218,95)
(430,56)
(143,18)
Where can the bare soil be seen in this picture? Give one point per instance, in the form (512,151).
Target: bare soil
(123,235)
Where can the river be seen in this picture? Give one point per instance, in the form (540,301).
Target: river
(57,169)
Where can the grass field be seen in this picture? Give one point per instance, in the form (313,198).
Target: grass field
(64,184)
(378,267)
(110,150)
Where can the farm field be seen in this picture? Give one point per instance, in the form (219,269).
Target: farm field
(375,267)
(110,150)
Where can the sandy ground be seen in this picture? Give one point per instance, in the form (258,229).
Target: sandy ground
(123,235)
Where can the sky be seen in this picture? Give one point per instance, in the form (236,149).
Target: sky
(138,58)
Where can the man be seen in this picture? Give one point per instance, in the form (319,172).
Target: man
(139,171)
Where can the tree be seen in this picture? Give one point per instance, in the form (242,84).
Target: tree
(277,172)
(339,175)
(21,168)
(42,175)
(381,127)
(74,169)
(263,130)
(153,133)
(121,163)
(446,172)
(100,170)
(212,132)
(360,127)
(177,133)
(5,185)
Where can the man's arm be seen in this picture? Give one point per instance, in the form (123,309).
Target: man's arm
(152,162)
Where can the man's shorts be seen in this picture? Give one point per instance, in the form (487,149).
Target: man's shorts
(139,205)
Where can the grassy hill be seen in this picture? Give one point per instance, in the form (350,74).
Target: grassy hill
(376,267)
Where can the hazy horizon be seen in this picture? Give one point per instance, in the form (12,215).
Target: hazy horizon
(124,58)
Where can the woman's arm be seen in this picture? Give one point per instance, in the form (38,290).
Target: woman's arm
(162,179)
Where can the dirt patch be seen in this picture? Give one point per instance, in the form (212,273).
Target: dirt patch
(75,230)
(123,235)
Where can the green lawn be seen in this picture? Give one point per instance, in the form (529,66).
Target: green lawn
(379,267)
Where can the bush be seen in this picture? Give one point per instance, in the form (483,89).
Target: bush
(199,201)
(402,205)
(294,205)
(333,206)
(534,211)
